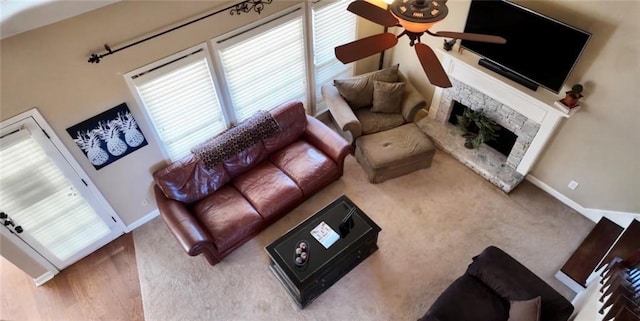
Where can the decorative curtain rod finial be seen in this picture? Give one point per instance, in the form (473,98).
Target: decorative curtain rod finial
(246,6)
(94,59)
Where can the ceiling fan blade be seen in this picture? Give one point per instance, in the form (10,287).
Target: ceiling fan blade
(372,13)
(471,36)
(432,67)
(365,47)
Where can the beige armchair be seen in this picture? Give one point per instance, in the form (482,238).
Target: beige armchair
(387,142)
(350,127)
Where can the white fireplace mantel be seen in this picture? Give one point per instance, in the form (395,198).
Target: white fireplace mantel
(538,105)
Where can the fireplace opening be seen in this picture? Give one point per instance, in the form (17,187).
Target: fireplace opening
(503,143)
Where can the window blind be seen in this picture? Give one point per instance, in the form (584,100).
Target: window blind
(38,197)
(333,25)
(266,68)
(183,105)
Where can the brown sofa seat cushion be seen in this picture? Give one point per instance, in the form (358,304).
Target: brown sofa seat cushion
(187,180)
(513,281)
(228,217)
(467,299)
(310,168)
(269,190)
(376,122)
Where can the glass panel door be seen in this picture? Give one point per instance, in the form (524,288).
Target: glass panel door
(41,203)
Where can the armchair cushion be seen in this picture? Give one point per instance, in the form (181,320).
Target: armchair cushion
(358,91)
(387,97)
(376,122)
(354,91)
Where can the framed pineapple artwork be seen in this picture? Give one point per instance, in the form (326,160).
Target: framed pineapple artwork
(108,136)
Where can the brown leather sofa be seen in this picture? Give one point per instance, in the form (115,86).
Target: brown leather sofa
(493,283)
(213,212)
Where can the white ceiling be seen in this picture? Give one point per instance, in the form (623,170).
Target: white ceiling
(17,16)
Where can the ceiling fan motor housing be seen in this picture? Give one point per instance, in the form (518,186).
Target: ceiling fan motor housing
(418,16)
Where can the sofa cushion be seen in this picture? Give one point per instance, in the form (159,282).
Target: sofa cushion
(310,168)
(387,97)
(513,281)
(269,190)
(245,160)
(376,122)
(467,299)
(358,90)
(228,217)
(292,119)
(187,180)
(254,129)
(528,310)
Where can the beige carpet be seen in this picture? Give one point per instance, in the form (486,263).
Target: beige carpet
(433,221)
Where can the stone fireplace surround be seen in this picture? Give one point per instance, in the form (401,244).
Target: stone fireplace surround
(531,115)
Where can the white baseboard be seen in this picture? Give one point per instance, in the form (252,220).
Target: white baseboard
(569,282)
(44,278)
(141,221)
(621,218)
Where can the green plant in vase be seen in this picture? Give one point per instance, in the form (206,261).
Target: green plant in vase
(476,128)
(572,96)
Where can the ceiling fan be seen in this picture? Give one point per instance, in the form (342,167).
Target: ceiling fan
(416,17)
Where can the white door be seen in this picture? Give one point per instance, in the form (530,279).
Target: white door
(44,199)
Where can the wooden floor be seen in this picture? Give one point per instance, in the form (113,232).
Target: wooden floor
(102,286)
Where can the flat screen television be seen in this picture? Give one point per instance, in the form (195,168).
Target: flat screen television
(539,49)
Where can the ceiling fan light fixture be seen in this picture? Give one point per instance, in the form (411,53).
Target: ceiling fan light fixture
(418,15)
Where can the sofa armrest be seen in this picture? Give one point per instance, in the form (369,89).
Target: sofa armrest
(328,141)
(412,100)
(341,112)
(186,229)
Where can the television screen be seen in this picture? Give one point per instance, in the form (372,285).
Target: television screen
(538,48)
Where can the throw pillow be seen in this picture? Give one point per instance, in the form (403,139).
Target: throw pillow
(358,91)
(528,310)
(387,97)
(354,91)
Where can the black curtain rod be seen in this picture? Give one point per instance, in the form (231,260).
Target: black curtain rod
(242,7)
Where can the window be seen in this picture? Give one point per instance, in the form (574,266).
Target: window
(187,98)
(181,100)
(265,66)
(333,25)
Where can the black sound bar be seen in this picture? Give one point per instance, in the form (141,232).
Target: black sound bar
(504,72)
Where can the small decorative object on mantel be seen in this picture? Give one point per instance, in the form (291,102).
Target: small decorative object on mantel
(572,96)
(570,101)
(476,128)
(448,44)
